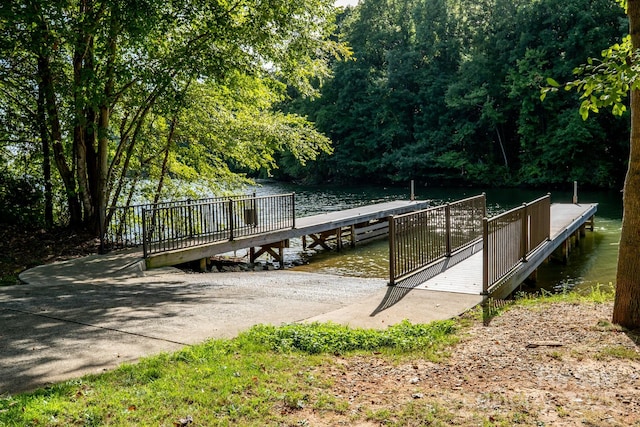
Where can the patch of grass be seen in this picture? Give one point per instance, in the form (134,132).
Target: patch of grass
(617,352)
(598,294)
(261,377)
(317,338)
(556,355)
(414,413)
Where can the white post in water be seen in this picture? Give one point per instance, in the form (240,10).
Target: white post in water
(413,195)
(575,192)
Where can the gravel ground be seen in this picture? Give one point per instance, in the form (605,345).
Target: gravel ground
(556,365)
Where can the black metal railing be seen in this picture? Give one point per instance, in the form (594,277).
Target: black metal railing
(418,239)
(511,236)
(124,229)
(167,228)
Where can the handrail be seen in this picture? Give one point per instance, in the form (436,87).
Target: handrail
(124,229)
(178,227)
(417,239)
(511,236)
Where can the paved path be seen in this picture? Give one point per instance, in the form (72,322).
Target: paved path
(92,314)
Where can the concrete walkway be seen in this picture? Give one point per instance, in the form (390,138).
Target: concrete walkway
(91,314)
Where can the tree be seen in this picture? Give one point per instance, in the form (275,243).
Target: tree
(113,79)
(605,83)
(626,310)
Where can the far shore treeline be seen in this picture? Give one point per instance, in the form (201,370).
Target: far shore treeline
(102,105)
(448,92)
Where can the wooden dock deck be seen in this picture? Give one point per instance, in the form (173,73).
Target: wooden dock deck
(304,226)
(463,271)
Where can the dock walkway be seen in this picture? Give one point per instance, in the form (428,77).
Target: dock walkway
(462,272)
(304,226)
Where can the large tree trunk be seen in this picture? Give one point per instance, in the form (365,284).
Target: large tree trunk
(50,127)
(626,311)
(46,80)
(104,117)
(82,129)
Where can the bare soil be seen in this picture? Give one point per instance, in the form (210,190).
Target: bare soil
(560,364)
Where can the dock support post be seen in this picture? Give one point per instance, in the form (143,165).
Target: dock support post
(353,236)
(270,249)
(575,192)
(413,194)
(565,250)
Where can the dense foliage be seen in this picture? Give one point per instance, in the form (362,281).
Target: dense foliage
(98,97)
(448,91)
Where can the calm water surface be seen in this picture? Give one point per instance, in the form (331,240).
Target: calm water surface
(592,262)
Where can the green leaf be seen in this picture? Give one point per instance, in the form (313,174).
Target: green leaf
(552,82)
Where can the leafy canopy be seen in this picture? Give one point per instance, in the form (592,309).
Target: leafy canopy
(604,82)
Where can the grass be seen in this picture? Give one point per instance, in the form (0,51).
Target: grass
(257,378)
(265,376)
(598,294)
(618,352)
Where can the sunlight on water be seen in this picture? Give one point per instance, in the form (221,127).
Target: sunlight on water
(592,262)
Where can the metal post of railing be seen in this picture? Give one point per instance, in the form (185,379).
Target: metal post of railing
(485,256)
(392,251)
(484,205)
(548,218)
(189,218)
(293,210)
(144,233)
(230,218)
(254,209)
(447,219)
(524,232)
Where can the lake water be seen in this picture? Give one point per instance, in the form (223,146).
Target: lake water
(592,262)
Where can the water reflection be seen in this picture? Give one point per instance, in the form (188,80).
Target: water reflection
(592,262)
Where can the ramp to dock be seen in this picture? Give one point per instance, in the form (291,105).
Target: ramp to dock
(463,271)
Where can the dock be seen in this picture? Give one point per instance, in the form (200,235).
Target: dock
(453,247)
(463,271)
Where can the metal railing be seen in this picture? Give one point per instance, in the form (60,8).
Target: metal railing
(511,236)
(125,222)
(418,239)
(167,228)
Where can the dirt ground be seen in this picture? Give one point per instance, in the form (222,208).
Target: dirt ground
(558,364)
(21,249)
